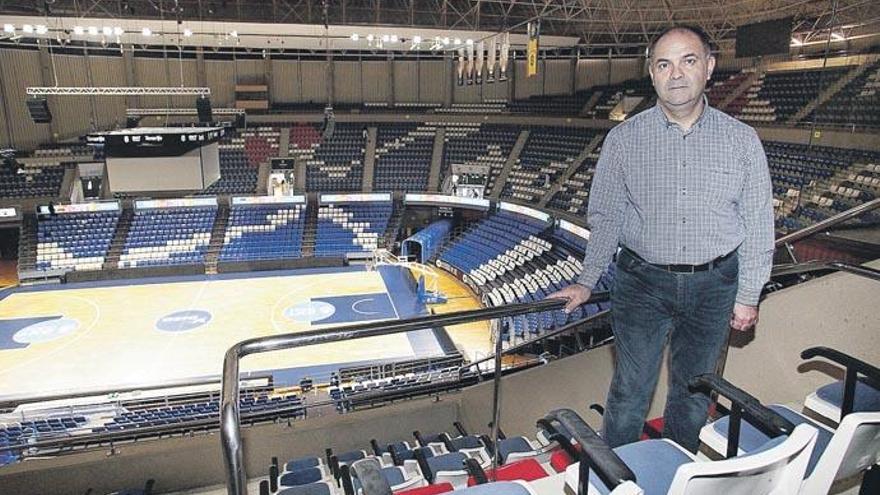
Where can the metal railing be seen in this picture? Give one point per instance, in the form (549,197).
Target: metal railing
(787,240)
(230,430)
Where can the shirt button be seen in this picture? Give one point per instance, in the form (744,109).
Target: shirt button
(684,220)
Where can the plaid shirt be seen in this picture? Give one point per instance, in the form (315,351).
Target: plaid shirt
(678,197)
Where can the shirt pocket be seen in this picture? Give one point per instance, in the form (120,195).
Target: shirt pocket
(724,186)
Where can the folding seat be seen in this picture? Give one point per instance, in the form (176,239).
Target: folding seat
(660,466)
(840,454)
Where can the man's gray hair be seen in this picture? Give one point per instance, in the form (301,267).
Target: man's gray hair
(699,33)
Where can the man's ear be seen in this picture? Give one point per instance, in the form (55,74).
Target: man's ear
(710,67)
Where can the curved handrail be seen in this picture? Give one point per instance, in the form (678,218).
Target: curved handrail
(811,266)
(230,432)
(828,222)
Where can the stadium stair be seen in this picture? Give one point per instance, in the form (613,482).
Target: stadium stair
(212,255)
(501,178)
(27,243)
(572,168)
(370,160)
(118,242)
(828,93)
(436,159)
(311,228)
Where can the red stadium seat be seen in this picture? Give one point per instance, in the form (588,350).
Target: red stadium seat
(428,490)
(525,470)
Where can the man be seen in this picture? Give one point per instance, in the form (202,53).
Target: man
(684,191)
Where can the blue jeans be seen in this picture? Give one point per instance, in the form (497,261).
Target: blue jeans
(650,307)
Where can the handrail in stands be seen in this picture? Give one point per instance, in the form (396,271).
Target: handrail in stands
(812,266)
(230,430)
(828,223)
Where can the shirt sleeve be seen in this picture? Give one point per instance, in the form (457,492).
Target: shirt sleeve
(604,212)
(756,209)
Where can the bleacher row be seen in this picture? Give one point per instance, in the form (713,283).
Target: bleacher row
(510,258)
(779,450)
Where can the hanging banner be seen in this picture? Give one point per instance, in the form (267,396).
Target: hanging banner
(490,65)
(503,57)
(481,49)
(470,64)
(461,66)
(534,30)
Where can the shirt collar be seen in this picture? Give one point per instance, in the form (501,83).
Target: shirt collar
(699,122)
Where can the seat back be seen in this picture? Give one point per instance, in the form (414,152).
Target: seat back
(854,447)
(778,470)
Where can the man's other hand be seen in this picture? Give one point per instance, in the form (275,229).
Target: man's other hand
(744,318)
(575,294)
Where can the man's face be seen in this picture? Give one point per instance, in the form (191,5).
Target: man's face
(679,70)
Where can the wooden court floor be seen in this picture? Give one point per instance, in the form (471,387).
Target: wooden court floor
(103,337)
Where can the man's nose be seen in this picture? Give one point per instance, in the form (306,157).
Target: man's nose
(677,73)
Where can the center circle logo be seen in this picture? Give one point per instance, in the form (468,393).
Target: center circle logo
(310,311)
(182,321)
(46,331)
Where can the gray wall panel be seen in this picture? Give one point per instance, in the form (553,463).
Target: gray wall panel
(375,81)
(284,86)
(314,81)
(347,82)
(432,81)
(221,80)
(72,114)
(109,71)
(406,81)
(21,68)
(557,77)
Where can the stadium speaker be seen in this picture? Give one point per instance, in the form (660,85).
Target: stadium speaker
(203,106)
(39,110)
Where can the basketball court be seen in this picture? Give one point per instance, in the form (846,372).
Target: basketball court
(148,332)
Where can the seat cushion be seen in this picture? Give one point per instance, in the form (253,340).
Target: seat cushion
(428,490)
(753,440)
(447,462)
(311,489)
(654,462)
(302,477)
(497,488)
(867,398)
(301,463)
(468,442)
(525,470)
(513,445)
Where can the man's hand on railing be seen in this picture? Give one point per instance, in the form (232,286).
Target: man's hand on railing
(575,294)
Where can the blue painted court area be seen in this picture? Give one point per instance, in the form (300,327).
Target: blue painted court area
(19,333)
(199,319)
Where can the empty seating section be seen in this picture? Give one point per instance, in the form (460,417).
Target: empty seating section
(572,196)
(552,105)
(260,232)
(168,236)
(814,183)
(31,181)
(856,104)
(509,259)
(548,153)
(403,157)
(261,144)
(239,166)
(75,241)
(478,144)
(613,94)
(276,406)
(351,228)
(723,83)
(332,164)
(777,96)
(488,106)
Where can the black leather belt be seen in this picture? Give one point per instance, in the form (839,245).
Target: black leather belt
(682,268)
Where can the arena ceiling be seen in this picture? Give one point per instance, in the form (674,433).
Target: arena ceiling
(622,25)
